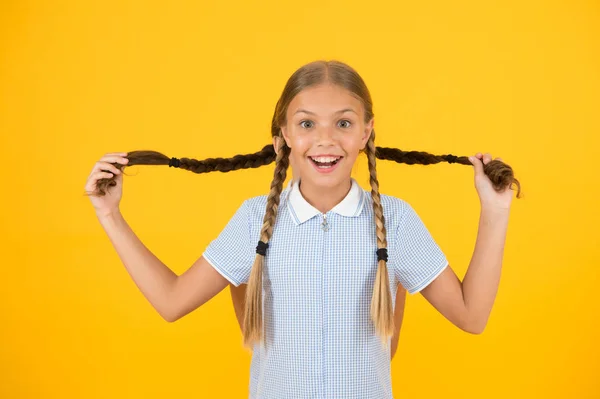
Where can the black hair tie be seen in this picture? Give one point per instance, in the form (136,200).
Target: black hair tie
(261,248)
(174,162)
(382,254)
(451,158)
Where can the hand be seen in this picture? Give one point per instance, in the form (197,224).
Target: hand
(488,196)
(103,169)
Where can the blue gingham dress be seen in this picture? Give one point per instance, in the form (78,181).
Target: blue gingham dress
(317,287)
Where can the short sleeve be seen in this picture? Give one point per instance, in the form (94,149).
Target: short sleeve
(231,253)
(420,259)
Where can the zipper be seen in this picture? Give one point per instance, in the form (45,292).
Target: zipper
(324,225)
(324,324)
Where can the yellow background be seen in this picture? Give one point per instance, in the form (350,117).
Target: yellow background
(520,80)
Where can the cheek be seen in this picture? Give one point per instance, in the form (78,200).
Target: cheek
(297,155)
(293,161)
(352,144)
(300,145)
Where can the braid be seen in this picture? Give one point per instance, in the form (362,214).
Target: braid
(309,75)
(146,157)
(253,320)
(500,173)
(381,303)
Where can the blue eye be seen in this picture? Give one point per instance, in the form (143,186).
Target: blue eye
(342,121)
(301,122)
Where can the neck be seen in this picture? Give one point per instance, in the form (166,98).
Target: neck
(324,198)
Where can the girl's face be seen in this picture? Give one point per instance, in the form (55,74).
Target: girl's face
(324,122)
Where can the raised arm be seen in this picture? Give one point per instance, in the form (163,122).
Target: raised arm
(468,304)
(194,288)
(172,296)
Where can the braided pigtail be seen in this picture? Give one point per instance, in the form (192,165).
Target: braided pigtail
(255,160)
(253,325)
(381,303)
(501,174)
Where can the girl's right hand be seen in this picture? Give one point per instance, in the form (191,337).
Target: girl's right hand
(103,169)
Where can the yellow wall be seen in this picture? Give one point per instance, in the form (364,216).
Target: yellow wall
(200,79)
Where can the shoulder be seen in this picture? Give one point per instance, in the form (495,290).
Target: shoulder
(256,206)
(396,204)
(395,209)
(391,205)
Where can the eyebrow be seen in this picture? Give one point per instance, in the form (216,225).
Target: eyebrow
(341,111)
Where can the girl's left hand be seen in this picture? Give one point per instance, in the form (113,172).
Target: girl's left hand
(488,196)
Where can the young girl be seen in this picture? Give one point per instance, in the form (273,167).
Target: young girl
(323,258)
(238,293)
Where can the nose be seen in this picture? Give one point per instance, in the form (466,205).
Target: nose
(326,135)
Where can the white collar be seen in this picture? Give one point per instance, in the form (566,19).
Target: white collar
(300,210)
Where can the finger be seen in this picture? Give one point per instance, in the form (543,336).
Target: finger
(115,159)
(120,154)
(108,159)
(100,166)
(94,177)
(102,175)
(104,161)
(479,155)
(487,157)
(477,165)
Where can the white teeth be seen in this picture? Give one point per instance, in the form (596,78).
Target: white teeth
(325,159)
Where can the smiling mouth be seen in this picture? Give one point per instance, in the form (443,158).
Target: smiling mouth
(325,164)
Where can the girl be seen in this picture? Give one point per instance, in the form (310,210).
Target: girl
(321,256)
(238,293)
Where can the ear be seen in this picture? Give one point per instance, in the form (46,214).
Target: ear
(285,136)
(367,132)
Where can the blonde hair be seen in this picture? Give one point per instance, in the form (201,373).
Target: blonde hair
(500,174)
(312,74)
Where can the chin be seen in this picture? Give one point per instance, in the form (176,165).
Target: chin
(325,180)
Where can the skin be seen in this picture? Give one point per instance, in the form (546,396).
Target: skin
(467,304)
(323,130)
(238,294)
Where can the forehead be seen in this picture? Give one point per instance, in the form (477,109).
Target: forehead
(324,100)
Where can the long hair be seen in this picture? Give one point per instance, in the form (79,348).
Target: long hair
(312,74)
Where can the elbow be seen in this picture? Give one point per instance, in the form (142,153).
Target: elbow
(169,316)
(169,310)
(475,330)
(470,323)
(473,326)
(170,319)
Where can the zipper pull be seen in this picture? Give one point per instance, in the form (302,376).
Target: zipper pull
(325,225)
